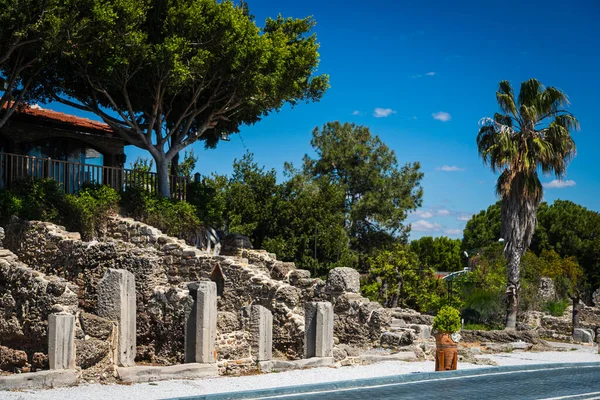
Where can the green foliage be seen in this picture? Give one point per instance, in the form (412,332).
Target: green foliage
(41,199)
(209,196)
(482,229)
(469,326)
(447,320)
(173,73)
(378,193)
(9,205)
(396,280)
(557,308)
(571,231)
(440,253)
(86,212)
(31,32)
(141,164)
(174,218)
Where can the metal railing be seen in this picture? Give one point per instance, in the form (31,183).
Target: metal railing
(72,176)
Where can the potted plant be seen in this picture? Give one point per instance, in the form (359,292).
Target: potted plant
(446,325)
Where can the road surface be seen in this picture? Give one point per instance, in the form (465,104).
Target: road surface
(559,381)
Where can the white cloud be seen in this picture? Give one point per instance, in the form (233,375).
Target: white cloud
(355,112)
(443,212)
(425,226)
(424,214)
(453,232)
(558,184)
(442,116)
(464,217)
(418,76)
(448,168)
(383,112)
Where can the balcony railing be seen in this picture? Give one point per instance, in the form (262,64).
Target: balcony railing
(71,176)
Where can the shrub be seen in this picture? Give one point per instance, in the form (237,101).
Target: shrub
(557,308)
(87,212)
(484,306)
(41,199)
(447,320)
(174,218)
(9,205)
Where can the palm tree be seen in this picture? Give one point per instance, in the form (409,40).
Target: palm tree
(532,134)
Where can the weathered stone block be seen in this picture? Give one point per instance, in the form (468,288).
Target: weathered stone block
(318,334)
(583,335)
(116,301)
(61,341)
(201,325)
(343,279)
(261,329)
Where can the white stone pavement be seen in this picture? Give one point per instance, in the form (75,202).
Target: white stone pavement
(180,388)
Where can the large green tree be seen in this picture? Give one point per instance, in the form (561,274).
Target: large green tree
(165,74)
(378,193)
(532,132)
(30,34)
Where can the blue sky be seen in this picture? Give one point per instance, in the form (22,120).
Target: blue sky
(421,75)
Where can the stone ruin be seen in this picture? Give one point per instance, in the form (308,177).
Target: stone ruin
(138,297)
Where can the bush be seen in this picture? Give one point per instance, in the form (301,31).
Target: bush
(41,199)
(484,306)
(447,320)
(9,205)
(557,308)
(87,212)
(174,218)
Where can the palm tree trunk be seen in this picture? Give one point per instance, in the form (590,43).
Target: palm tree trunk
(512,290)
(518,224)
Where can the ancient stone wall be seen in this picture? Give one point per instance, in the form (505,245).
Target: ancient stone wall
(163,266)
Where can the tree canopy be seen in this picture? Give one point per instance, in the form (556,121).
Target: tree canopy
(440,253)
(164,75)
(378,192)
(30,34)
(482,229)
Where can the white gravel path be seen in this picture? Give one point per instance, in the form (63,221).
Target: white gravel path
(181,388)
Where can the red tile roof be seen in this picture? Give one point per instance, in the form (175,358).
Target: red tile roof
(54,117)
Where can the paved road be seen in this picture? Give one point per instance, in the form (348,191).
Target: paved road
(574,381)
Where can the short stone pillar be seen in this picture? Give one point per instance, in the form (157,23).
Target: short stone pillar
(201,325)
(261,330)
(318,333)
(61,341)
(116,301)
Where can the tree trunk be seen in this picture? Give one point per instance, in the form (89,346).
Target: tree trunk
(162,173)
(175,165)
(512,290)
(518,224)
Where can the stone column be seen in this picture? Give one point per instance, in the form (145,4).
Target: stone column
(116,301)
(201,325)
(261,329)
(318,325)
(61,341)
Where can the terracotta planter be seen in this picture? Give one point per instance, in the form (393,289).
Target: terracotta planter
(446,354)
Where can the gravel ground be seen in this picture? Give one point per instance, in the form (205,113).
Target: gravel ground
(181,388)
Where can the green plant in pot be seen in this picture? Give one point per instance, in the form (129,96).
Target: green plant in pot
(446,325)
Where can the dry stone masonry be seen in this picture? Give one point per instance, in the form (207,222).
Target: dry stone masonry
(154,298)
